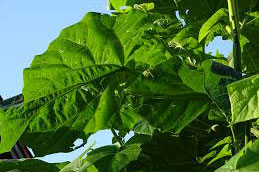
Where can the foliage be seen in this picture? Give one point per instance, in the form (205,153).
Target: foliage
(245,160)
(143,69)
(244,99)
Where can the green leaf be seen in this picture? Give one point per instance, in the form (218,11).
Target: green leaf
(216,114)
(207,156)
(27,165)
(75,86)
(225,151)
(226,140)
(245,161)
(216,18)
(244,99)
(218,151)
(250,43)
(163,81)
(102,113)
(186,43)
(12,125)
(138,139)
(161,97)
(75,53)
(108,158)
(143,127)
(77,163)
(194,79)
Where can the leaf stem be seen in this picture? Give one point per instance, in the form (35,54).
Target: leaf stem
(117,137)
(234,21)
(233,133)
(234,149)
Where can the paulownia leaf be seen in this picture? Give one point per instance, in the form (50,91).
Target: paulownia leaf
(98,42)
(244,99)
(27,165)
(163,99)
(245,161)
(75,87)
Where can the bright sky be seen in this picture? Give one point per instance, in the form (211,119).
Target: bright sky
(28,26)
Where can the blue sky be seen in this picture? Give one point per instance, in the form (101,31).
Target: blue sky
(28,26)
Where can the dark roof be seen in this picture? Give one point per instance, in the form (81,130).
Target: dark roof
(11,102)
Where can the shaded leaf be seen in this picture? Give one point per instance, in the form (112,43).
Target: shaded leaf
(165,152)
(27,165)
(143,127)
(249,43)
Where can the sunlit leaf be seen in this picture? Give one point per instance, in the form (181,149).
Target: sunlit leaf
(244,99)
(245,161)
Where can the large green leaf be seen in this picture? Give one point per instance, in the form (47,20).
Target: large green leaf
(244,99)
(95,47)
(163,99)
(171,97)
(245,161)
(75,85)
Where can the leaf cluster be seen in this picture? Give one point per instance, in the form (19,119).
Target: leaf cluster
(142,69)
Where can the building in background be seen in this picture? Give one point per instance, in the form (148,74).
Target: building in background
(18,151)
